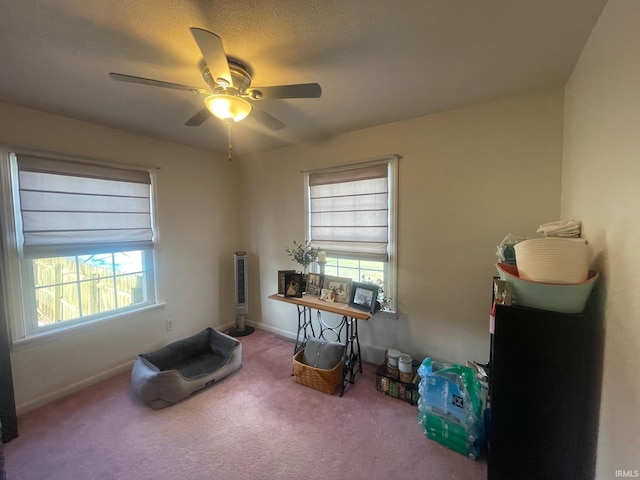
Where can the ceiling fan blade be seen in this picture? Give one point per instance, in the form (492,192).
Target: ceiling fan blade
(266,119)
(199,118)
(210,45)
(299,90)
(154,83)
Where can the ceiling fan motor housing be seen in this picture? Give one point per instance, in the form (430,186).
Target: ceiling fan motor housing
(240,77)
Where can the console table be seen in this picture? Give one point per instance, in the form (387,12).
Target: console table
(346,328)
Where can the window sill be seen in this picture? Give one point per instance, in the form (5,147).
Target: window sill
(62,332)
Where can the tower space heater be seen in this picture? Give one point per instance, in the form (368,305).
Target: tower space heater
(241,277)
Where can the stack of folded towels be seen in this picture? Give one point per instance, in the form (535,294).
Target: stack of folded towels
(561,228)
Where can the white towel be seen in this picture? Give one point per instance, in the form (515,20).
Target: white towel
(561,228)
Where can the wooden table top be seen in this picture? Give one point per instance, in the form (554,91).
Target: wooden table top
(311,301)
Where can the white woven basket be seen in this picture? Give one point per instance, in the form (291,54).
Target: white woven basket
(553,260)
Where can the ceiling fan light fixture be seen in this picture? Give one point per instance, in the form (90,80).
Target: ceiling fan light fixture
(228,107)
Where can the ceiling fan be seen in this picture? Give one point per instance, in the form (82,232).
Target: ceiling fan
(230,96)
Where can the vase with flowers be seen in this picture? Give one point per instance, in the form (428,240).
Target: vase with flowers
(304,255)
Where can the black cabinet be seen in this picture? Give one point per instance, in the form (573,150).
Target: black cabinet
(7,403)
(544,394)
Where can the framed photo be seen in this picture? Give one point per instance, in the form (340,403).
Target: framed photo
(363,296)
(293,285)
(327,295)
(281,274)
(340,286)
(314,284)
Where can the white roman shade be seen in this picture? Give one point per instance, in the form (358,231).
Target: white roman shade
(70,208)
(349,211)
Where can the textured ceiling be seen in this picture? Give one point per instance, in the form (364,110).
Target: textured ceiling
(377,61)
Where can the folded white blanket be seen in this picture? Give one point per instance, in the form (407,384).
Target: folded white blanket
(561,228)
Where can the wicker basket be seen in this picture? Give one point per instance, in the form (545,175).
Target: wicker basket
(324,380)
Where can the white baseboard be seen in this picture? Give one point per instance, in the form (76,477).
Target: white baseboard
(225,327)
(69,389)
(276,331)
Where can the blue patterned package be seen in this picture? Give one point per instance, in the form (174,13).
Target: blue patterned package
(451,405)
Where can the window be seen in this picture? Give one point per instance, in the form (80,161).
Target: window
(369,271)
(78,242)
(73,287)
(351,214)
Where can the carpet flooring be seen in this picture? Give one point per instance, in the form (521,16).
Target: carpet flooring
(256,424)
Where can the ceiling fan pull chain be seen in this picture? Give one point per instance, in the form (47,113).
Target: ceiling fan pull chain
(230,147)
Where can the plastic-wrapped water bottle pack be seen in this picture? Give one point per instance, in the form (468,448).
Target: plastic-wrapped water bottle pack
(451,406)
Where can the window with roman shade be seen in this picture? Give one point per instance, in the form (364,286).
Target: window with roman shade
(68,207)
(351,214)
(349,211)
(78,242)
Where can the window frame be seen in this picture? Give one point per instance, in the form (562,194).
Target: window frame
(17,271)
(391,265)
(32,327)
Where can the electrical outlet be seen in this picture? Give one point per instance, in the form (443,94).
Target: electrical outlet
(169,324)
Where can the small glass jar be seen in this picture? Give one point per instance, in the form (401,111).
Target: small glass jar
(405,367)
(392,358)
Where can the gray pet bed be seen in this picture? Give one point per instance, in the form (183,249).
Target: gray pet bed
(172,373)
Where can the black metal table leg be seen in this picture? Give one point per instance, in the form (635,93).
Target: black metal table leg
(352,358)
(304,324)
(357,340)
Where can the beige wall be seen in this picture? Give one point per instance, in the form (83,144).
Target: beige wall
(601,186)
(466,178)
(197,212)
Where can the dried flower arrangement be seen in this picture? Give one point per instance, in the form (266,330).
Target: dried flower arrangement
(303,253)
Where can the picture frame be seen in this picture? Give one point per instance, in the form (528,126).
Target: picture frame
(327,295)
(293,285)
(314,284)
(363,296)
(281,274)
(341,286)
